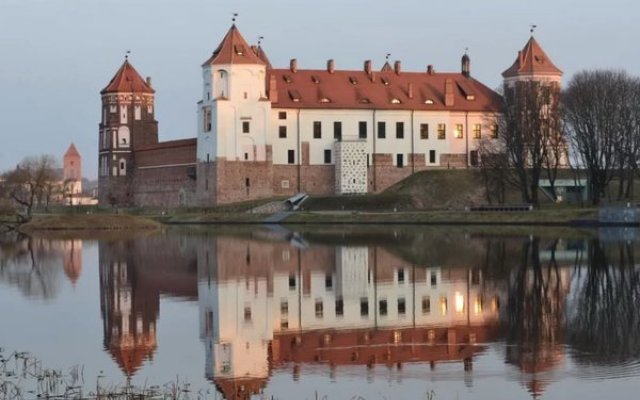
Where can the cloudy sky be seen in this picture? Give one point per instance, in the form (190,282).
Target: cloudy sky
(56,55)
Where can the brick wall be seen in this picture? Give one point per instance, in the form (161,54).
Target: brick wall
(453,160)
(242,180)
(164,187)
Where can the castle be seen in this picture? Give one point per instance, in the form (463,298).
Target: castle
(264,131)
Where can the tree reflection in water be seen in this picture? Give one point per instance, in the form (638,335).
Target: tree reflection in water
(605,322)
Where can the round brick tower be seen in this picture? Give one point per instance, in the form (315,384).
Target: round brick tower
(127,124)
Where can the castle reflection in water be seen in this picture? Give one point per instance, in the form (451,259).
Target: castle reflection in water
(269,304)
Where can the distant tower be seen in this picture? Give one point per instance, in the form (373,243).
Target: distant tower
(72,171)
(532,64)
(127,123)
(466,65)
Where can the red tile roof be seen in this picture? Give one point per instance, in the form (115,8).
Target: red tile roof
(532,60)
(72,151)
(380,90)
(233,50)
(127,80)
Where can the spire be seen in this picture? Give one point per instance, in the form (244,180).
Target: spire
(127,80)
(233,50)
(72,151)
(532,60)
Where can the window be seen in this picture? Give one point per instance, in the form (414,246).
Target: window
(339,307)
(327,156)
(246,127)
(328,282)
(426,304)
(399,130)
(206,119)
(292,281)
(337,130)
(400,160)
(284,308)
(443,305)
(247,182)
(364,306)
(382,307)
(247,314)
(442,131)
(362,129)
(137,112)
(434,279)
(401,275)
(494,131)
(424,131)
(402,306)
(291,156)
(432,156)
(458,131)
(319,308)
(317,129)
(282,132)
(382,130)
(282,115)
(477,131)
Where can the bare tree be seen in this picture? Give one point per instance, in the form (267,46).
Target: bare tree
(531,134)
(494,169)
(29,183)
(601,112)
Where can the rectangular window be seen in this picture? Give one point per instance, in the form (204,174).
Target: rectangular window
(442,131)
(494,131)
(400,160)
(247,314)
(364,306)
(426,304)
(443,305)
(206,117)
(282,115)
(362,129)
(401,275)
(339,307)
(382,130)
(292,282)
(424,131)
(328,282)
(399,130)
(337,130)
(319,308)
(291,156)
(432,156)
(327,156)
(402,306)
(477,131)
(458,132)
(246,127)
(382,307)
(317,129)
(282,132)
(434,279)
(284,308)
(137,112)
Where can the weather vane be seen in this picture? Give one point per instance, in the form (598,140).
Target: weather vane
(260,40)
(387,57)
(466,50)
(126,55)
(533,28)
(235,16)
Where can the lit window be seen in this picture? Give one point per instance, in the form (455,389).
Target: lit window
(442,131)
(395,101)
(458,131)
(443,305)
(477,131)
(459,303)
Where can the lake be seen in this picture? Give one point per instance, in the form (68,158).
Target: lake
(340,312)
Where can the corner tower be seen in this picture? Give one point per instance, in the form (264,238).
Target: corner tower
(127,123)
(233,122)
(532,64)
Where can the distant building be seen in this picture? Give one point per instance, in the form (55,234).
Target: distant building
(71,185)
(264,131)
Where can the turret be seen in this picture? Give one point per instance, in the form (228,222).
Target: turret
(532,63)
(127,123)
(466,65)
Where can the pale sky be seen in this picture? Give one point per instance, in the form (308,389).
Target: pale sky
(56,55)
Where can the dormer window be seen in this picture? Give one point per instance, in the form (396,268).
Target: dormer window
(353,80)
(471,97)
(325,100)
(395,101)
(364,100)
(384,81)
(428,101)
(295,96)
(315,79)
(287,78)
(239,49)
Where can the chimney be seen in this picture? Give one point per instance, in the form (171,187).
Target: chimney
(397,67)
(410,91)
(273,89)
(430,69)
(293,65)
(149,81)
(372,76)
(331,66)
(448,93)
(367,66)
